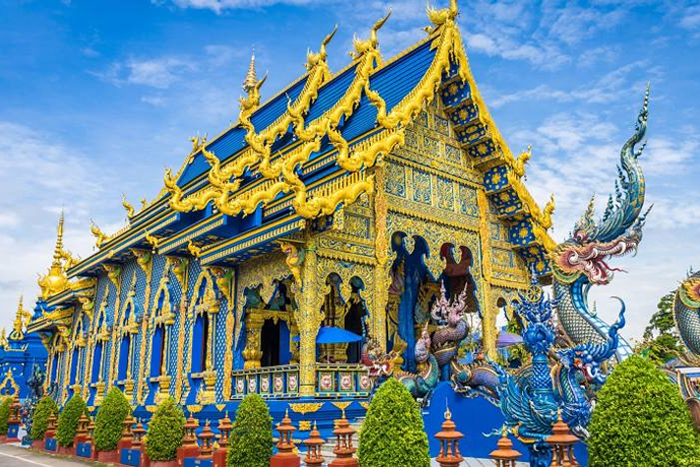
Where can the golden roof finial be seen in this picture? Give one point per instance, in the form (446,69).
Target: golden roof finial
(448,414)
(128,206)
(56,280)
(17,327)
(59,240)
(251,78)
(3,339)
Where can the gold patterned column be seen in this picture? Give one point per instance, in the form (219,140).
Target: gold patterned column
(489,312)
(252,352)
(309,320)
(382,279)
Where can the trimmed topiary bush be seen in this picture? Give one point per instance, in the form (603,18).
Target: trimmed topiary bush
(40,420)
(251,437)
(165,431)
(5,416)
(392,434)
(641,419)
(68,420)
(108,423)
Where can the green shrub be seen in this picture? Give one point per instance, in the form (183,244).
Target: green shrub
(40,420)
(165,431)
(68,420)
(392,434)
(251,437)
(110,416)
(5,415)
(641,419)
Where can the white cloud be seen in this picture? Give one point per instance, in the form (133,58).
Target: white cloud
(690,18)
(41,176)
(218,6)
(159,73)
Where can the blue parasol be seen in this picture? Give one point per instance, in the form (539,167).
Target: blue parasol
(332,335)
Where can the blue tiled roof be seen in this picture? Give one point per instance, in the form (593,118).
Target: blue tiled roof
(392,82)
(232,141)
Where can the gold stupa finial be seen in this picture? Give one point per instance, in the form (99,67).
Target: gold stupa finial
(18,326)
(448,414)
(3,339)
(56,280)
(251,78)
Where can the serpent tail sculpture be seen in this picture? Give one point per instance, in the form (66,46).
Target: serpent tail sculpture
(582,260)
(686,312)
(420,385)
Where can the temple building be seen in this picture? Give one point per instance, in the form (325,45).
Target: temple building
(345,202)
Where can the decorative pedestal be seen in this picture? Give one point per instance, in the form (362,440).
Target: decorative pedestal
(83,450)
(50,444)
(14,421)
(189,448)
(225,426)
(49,436)
(285,456)
(344,451)
(12,431)
(127,436)
(449,443)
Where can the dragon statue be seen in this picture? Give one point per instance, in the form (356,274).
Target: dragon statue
(557,380)
(581,261)
(420,385)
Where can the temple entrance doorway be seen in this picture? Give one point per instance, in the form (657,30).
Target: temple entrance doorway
(274,343)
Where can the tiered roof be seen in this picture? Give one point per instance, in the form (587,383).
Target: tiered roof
(307,151)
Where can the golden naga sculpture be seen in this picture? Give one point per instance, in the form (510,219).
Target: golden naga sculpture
(87,305)
(152,240)
(518,165)
(440,17)
(294,260)
(100,236)
(364,46)
(314,59)
(194,249)
(130,211)
(546,219)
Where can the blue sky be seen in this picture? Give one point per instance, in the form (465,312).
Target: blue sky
(98,97)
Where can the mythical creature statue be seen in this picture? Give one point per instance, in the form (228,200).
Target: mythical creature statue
(686,312)
(454,327)
(364,46)
(36,391)
(582,260)
(100,236)
(421,385)
(556,380)
(379,364)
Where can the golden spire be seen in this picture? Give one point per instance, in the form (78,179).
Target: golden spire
(251,79)
(59,241)
(3,339)
(18,326)
(56,280)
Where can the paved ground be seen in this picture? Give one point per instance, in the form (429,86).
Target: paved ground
(16,456)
